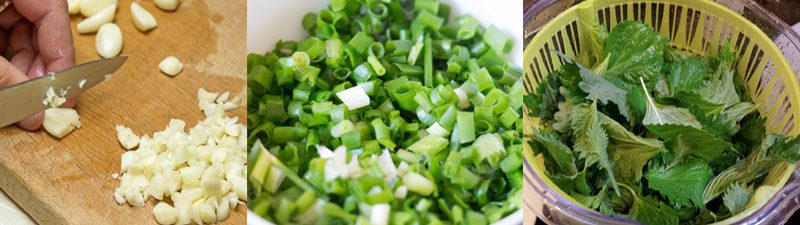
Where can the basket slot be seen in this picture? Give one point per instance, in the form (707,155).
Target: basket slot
(788,127)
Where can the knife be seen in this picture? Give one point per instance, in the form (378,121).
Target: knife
(24,99)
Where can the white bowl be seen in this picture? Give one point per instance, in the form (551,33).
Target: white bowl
(269,21)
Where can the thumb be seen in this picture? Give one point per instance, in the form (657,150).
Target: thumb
(10,75)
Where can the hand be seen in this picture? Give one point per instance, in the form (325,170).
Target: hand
(35,39)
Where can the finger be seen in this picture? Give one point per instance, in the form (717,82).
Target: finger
(51,23)
(33,122)
(21,46)
(9,75)
(36,68)
(3,41)
(9,17)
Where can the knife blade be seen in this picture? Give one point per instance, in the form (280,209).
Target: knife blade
(24,99)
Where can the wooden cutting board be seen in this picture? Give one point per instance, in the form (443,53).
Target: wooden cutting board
(69,181)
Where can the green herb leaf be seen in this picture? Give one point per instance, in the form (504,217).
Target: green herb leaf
(683,183)
(651,214)
(634,49)
(628,151)
(736,198)
(599,88)
(560,152)
(688,74)
(591,139)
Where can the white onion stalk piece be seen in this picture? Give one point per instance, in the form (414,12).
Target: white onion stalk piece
(463,101)
(354,97)
(437,130)
(380,214)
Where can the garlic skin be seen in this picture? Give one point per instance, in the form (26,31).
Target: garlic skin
(201,171)
(142,19)
(92,24)
(61,121)
(167,5)
(109,40)
(171,66)
(91,7)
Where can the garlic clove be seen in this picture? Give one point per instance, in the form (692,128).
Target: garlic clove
(92,24)
(108,40)
(142,19)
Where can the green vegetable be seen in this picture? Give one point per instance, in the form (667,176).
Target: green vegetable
(429,134)
(633,128)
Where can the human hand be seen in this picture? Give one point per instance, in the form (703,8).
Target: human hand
(35,39)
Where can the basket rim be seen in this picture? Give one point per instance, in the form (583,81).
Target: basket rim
(564,199)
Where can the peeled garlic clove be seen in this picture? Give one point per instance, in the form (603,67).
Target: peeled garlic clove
(109,40)
(167,5)
(142,19)
(93,23)
(61,121)
(165,214)
(74,6)
(171,66)
(91,7)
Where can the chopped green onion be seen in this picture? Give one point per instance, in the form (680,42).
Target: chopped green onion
(490,148)
(497,39)
(361,42)
(430,20)
(429,145)
(415,51)
(467,27)
(431,6)
(428,63)
(412,155)
(482,79)
(418,184)
(343,127)
(466,127)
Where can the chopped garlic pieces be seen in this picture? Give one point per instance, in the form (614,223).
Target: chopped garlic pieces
(202,171)
(126,137)
(52,99)
(165,213)
(61,121)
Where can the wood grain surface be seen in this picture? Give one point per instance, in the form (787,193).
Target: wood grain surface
(69,181)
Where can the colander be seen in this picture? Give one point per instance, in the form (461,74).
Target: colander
(768,63)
